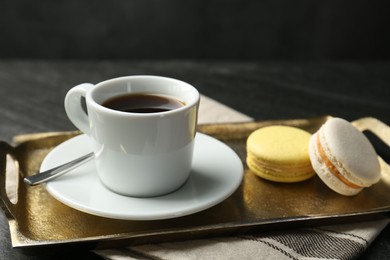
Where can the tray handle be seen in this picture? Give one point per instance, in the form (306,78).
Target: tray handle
(374,125)
(7,152)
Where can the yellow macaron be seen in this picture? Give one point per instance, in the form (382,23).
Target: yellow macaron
(280,153)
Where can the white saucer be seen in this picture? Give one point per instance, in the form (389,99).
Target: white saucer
(216,173)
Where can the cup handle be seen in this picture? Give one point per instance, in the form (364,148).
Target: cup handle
(74,109)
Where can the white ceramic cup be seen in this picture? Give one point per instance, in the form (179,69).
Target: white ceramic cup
(138,154)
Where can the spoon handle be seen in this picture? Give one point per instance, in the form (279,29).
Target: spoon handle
(57,171)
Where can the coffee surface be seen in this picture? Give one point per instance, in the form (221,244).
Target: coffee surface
(142,103)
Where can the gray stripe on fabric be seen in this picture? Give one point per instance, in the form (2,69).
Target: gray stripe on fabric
(314,244)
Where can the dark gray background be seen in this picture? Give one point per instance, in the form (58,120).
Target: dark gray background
(195,29)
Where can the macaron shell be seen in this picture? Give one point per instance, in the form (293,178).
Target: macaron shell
(280,144)
(350,151)
(325,174)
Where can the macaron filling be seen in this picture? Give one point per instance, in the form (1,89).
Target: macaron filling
(279,172)
(332,168)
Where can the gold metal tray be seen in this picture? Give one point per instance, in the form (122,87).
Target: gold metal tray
(37,220)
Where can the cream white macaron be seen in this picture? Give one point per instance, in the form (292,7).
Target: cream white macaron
(343,157)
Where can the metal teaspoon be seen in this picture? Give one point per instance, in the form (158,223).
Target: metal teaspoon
(57,171)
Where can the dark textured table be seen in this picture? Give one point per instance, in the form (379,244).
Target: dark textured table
(32,94)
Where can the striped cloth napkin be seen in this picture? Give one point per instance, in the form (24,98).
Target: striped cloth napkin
(326,242)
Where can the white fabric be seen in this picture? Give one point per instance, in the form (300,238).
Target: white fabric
(211,111)
(331,242)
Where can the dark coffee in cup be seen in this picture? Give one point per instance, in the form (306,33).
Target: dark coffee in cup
(142,103)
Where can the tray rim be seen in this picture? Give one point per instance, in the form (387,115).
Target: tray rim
(20,241)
